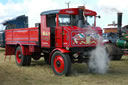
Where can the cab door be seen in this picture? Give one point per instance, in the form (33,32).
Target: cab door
(45,33)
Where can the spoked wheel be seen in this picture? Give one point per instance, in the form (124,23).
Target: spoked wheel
(22,60)
(61,63)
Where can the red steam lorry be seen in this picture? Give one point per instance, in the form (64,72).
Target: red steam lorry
(63,37)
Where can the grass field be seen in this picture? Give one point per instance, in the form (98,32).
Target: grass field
(41,74)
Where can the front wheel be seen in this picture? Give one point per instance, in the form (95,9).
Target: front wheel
(61,63)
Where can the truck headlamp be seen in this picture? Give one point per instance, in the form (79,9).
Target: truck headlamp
(67,48)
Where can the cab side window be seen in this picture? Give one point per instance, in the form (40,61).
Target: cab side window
(50,20)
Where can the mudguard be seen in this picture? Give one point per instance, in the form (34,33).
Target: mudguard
(25,49)
(58,49)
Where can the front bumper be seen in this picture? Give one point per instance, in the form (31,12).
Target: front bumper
(82,50)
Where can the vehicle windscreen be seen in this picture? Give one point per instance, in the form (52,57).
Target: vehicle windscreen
(72,20)
(90,20)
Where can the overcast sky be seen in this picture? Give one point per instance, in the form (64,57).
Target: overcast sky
(107,9)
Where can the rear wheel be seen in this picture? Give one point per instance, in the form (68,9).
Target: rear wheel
(22,60)
(115,53)
(117,57)
(61,63)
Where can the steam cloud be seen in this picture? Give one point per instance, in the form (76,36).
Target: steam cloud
(99,60)
(109,9)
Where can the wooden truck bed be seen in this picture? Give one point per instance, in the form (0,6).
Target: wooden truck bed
(24,36)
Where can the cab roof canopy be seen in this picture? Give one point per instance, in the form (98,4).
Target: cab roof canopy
(70,11)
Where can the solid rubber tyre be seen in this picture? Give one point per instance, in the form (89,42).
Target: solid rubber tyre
(117,57)
(61,63)
(22,60)
(115,53)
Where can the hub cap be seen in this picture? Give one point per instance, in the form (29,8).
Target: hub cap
(18,57)
(59,63)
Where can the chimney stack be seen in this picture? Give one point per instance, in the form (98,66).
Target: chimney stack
(119,23)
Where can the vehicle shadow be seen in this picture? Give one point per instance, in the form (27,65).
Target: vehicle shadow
(40,62)
(78,69)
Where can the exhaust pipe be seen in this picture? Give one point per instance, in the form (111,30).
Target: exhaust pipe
(81,18)
(119,23)
(80,14)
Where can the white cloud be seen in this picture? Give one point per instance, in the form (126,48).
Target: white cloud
(10,10)
(31,8)
(36,7)
(109,8)
(117,4)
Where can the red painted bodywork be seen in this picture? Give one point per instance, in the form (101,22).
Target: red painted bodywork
(25,36)
(59,37)
(61,60)
(40,38)
(45,33)
(74,11)
(74,30)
